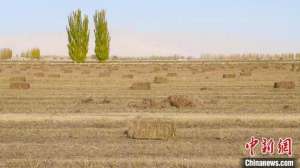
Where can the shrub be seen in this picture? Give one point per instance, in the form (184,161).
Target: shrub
(102,38)
(5,53)
(78,36)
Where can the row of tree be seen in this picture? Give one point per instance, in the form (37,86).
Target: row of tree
(7,53)
(79,35)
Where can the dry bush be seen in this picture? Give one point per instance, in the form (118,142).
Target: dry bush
(39,74)
(151,129)
(19,85)
(160,79)
(140,86)
(129,76)
(180,101)
(54,75)
(228,76)
(17,79)
(171,74)
(285,85)
(148,103)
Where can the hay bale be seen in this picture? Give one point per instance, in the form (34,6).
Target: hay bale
(285,85)
(67,71)
(155,69)
(141,86)
(54,75)
(160,80)
(87,100)
(171,74)
(180,101)
(19,85)
(85,72)
(228,76)
(129,76)
(151,129)
(18,79)
(245,73)
(105,74)
(39,74)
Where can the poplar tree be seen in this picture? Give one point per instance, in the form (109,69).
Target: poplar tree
(102,38)
(78,36)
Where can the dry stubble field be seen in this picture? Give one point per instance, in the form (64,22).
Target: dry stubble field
(75,115)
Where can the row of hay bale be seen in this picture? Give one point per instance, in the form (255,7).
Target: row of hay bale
(244,72)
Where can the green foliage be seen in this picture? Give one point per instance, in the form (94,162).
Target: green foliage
(5,53)
(78,36)
(33,53)
(102,38)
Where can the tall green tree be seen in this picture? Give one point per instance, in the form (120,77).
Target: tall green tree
(102,38)
(78,36)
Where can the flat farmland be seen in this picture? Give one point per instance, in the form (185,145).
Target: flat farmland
(75,115)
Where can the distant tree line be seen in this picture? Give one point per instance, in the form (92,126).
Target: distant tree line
(34,53)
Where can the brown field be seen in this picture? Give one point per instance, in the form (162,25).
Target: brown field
(76,115)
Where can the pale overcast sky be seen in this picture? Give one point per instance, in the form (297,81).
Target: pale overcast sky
(158,27)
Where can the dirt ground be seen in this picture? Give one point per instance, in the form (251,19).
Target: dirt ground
(75,115)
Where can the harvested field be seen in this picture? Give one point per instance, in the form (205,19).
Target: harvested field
(72,118)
